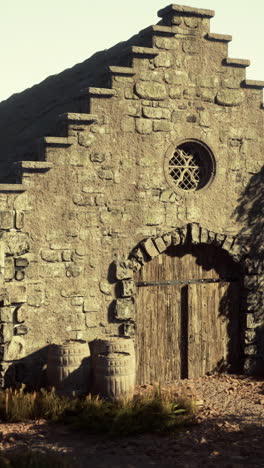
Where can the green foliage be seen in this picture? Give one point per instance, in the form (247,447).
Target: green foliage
(155,411)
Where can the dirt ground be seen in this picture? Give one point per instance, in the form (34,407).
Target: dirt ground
(229,433)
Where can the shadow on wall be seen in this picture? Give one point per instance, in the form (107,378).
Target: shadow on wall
(250,212)
(32,371)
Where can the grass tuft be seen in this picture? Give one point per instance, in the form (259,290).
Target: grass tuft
(155,411)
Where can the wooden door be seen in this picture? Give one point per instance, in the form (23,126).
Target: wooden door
(187,314)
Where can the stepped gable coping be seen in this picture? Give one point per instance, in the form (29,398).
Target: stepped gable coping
(253,84)
(167,30)
(99,91)
(185,11)
(218,37)
(33,166)
(122,70)
(12,188)
(237,62)
(76,117)
(144,50)
(57,141)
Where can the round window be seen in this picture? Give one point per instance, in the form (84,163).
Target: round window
(190,166)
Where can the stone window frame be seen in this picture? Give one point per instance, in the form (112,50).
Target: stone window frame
(211,160)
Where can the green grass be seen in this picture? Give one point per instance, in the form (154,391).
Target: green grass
(154,411)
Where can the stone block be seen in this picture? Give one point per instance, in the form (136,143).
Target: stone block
(20,219)
(125,308)
(205,119)
(165,43)
(167,239)
(176,77)
(9,269)
(19,275)
(228,97)
(6,219)
(15,349)
(35,294)
(162,126)
(128,329)
(16,243)
(91,304)
(105,287)
(6,332)
(156,113)
(128,124)
(191,46)
(195,233)
(149,90)
(123,270)
(154,215)
(143,126)
(150,248)
(98,157)
(128,288)
(164,59)
(21,262)
(219,239)
(160,244)
(17,293)
(83,200)
(73,270)
(6,315)
(106,173)
(86,139)
(204,235)
(250,322)
(207,95)
(175,92)
(50,255)
(91,319)
(250,282)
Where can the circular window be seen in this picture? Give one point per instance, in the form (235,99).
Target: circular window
(190,166)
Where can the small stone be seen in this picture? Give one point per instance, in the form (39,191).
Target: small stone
(144,126)
(86,139)
(162,126)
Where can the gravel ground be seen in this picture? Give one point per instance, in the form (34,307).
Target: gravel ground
(229,432)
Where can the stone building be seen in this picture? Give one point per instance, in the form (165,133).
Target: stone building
(132,203)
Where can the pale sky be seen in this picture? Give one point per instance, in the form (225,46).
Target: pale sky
(44,37)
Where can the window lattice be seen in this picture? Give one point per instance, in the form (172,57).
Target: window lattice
(188,167)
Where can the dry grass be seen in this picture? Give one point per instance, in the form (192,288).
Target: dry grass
(155,411)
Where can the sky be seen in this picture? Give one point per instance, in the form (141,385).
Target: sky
(44,37)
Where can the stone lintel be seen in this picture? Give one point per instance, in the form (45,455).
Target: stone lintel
(99,91)
(185,11)
(253,84)
(12,188)
(144,51)
(122,70)
(235,62)
(33,166)
(219,37)
(76,117)
(57,141)
(158,29)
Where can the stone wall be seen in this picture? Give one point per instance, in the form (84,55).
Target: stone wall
(98,189)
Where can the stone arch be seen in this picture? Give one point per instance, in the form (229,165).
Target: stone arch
(150,248)
(251,292)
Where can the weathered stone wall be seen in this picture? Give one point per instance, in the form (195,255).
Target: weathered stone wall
(99,189)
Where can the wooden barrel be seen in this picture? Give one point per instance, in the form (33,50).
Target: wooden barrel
(113,344)
(115,370)
(68,367)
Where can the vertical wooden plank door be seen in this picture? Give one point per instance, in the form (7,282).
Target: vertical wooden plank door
(213,333)
(186,330)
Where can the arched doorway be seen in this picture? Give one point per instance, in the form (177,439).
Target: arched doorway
(187,314)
